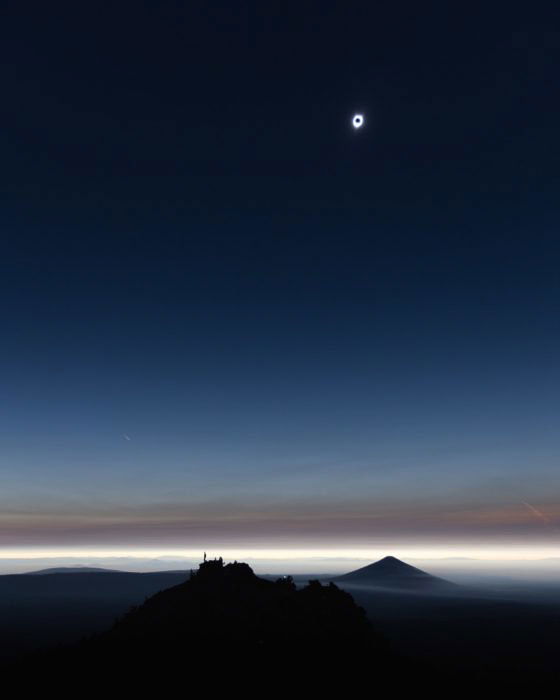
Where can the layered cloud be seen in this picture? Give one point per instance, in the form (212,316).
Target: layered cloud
(325,524)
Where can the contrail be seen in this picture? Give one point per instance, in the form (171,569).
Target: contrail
(536,512)
(541,516)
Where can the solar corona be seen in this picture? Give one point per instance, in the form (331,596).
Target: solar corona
(358,121)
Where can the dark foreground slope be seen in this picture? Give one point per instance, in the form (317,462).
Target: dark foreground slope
(42,611)
(476,638)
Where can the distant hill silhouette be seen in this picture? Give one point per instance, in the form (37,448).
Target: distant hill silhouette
(72,570)
(391,572)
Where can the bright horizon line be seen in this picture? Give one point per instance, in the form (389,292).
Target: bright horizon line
(494,553)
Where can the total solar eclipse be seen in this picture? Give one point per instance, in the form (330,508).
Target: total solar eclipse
(358,121)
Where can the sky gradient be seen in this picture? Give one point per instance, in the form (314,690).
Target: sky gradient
(231,322)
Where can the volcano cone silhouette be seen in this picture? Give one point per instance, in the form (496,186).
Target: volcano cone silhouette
(391,572)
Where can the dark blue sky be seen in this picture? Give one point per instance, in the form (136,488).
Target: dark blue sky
(228,318)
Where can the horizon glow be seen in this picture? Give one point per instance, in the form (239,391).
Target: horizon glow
(496,554)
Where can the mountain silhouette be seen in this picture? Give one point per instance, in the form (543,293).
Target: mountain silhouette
(225,617)
(226,606)
(391,572)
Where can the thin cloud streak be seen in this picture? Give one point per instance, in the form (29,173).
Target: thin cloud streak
(534,510)
(542,517)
